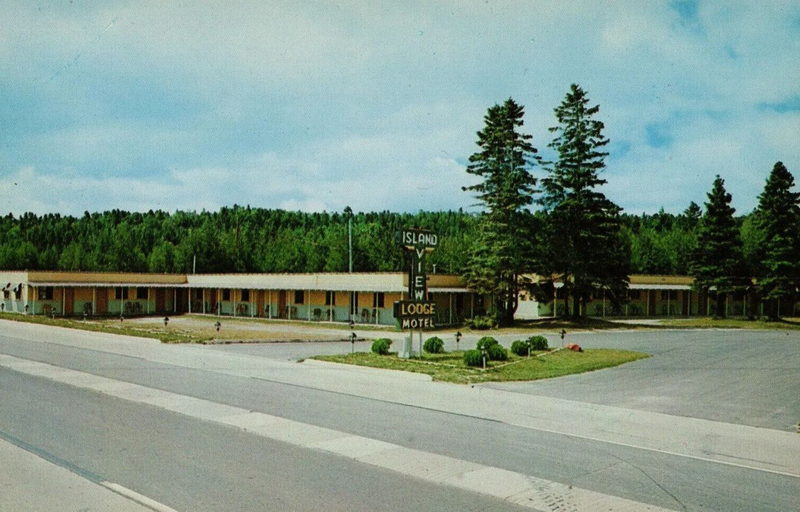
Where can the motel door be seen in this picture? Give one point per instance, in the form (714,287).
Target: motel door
(281,304)
(69,298)
(160,300)
(102,300)
(260,302)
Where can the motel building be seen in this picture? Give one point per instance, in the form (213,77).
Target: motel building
(653,296)
(364,298)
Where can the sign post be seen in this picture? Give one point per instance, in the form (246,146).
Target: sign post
(418,312)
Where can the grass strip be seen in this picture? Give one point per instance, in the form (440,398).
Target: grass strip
(450,367)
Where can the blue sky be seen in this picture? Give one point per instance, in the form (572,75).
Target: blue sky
(319,105)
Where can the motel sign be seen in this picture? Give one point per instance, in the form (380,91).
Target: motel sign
(418,312)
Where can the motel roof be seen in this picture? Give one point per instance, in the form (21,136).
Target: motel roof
(357,281)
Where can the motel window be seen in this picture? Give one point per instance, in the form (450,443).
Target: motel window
(141,293)
(299,297)
(330,298)
(45,293)
(226,294)
(121,293)
(377,300)
(245,295)
(6,294)
(634,294)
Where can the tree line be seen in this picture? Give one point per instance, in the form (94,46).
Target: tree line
(233,239)
(283,241)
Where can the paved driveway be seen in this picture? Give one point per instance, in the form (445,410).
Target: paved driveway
(744,377)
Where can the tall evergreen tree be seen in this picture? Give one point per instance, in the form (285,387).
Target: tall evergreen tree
(585,246)
(716,260)
(777,217)
(502,249)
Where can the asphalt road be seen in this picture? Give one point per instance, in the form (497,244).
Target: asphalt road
(190,464)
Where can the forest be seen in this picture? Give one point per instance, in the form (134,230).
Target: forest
(245,239)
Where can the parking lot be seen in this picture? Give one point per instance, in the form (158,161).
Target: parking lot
(743,377)
(734,376)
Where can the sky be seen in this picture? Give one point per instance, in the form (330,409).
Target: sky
(315,106)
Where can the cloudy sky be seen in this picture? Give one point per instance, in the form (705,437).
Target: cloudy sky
(374,104)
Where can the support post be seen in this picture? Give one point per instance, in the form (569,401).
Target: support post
(604,302)
(451,308)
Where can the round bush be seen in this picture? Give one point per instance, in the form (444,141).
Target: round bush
(485,342)
(433,345)
(538,342)
(497,353)
(381,346)
(520,348)
(473,358)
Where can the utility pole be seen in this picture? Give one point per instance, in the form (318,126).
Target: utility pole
(350,243)
(349,212)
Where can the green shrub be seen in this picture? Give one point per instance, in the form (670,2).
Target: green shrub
(381,346)
(520,348)
(538,342)
(473,358)
(434,345)
(497,353)
(485,342)
(482,323)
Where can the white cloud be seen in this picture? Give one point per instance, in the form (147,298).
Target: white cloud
(373,105)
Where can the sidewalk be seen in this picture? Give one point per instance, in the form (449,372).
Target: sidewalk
(28,482)
(737,445)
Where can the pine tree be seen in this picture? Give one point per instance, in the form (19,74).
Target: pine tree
(583,229)
(691,216)
(777,217)
(716,260)
(502,249)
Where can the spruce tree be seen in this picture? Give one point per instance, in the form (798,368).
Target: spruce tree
(585,247)
(716,260)
(777,218)
(502,248)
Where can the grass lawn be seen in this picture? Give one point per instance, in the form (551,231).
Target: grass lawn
(112,326)
(731,323)
(450,367)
